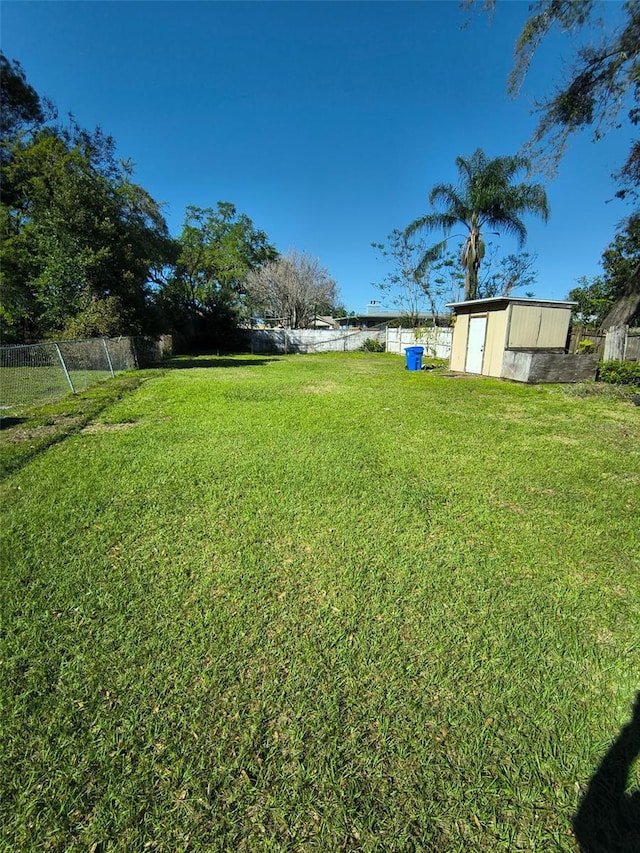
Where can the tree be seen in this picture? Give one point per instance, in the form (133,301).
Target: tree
(447,278)
(506,274)
(486,198)
(613,299)
(593,301)
(407,285)
(23,111)
(217,250)
(603,80)
(291,290)
(80,240)
(73,235)
(501,276)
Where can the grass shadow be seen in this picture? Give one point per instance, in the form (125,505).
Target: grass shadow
(8,422)
(608,819)
(188,363)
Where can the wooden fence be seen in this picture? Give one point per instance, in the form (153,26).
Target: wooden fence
(618,344)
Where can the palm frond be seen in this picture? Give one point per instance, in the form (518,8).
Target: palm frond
(507,223)
(445,194)
(431,222)
(430,256)
(533,199)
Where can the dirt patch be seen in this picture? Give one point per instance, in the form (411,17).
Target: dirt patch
(93,428)
(511,507)
(565,439)
(327,387)
(54,427)
(13,433)
(16,435)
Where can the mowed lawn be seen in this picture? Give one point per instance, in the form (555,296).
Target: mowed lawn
(319,603)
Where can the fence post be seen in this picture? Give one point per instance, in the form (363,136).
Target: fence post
(134,353)
(106,352)
(64,368)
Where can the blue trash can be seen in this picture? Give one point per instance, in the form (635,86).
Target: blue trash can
(414,357)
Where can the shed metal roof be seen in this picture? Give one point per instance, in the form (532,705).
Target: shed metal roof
(506,300)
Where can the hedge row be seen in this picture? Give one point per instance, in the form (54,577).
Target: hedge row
(620,372)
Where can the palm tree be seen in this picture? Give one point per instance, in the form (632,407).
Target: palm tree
(486,198)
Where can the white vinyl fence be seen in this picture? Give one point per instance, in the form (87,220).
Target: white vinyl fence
(285,341)
(436,341)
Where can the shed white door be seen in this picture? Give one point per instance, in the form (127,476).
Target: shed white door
(475,344)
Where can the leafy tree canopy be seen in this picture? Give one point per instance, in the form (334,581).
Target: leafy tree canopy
(22,108)
(76,230)
(86,251)
(602,84)
(217,249)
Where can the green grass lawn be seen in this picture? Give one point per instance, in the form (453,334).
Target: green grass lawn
(318,603)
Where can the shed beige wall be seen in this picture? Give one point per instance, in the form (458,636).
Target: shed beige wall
(459,343)
(495,342)
(533,327)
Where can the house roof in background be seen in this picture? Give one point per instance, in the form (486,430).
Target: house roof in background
(384,316)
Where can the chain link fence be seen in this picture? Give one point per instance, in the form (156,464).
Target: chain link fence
(41,373)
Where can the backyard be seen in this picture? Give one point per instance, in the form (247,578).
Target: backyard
(316,603)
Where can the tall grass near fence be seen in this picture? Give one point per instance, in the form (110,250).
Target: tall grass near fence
(319,603)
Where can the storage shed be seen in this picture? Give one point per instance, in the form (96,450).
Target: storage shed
(516,338)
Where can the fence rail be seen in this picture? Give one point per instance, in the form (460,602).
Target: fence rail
(40,373)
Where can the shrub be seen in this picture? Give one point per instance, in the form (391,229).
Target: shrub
(585,346)
(372,345)
(620,372)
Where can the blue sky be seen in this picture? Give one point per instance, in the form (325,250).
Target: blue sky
(326,122)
